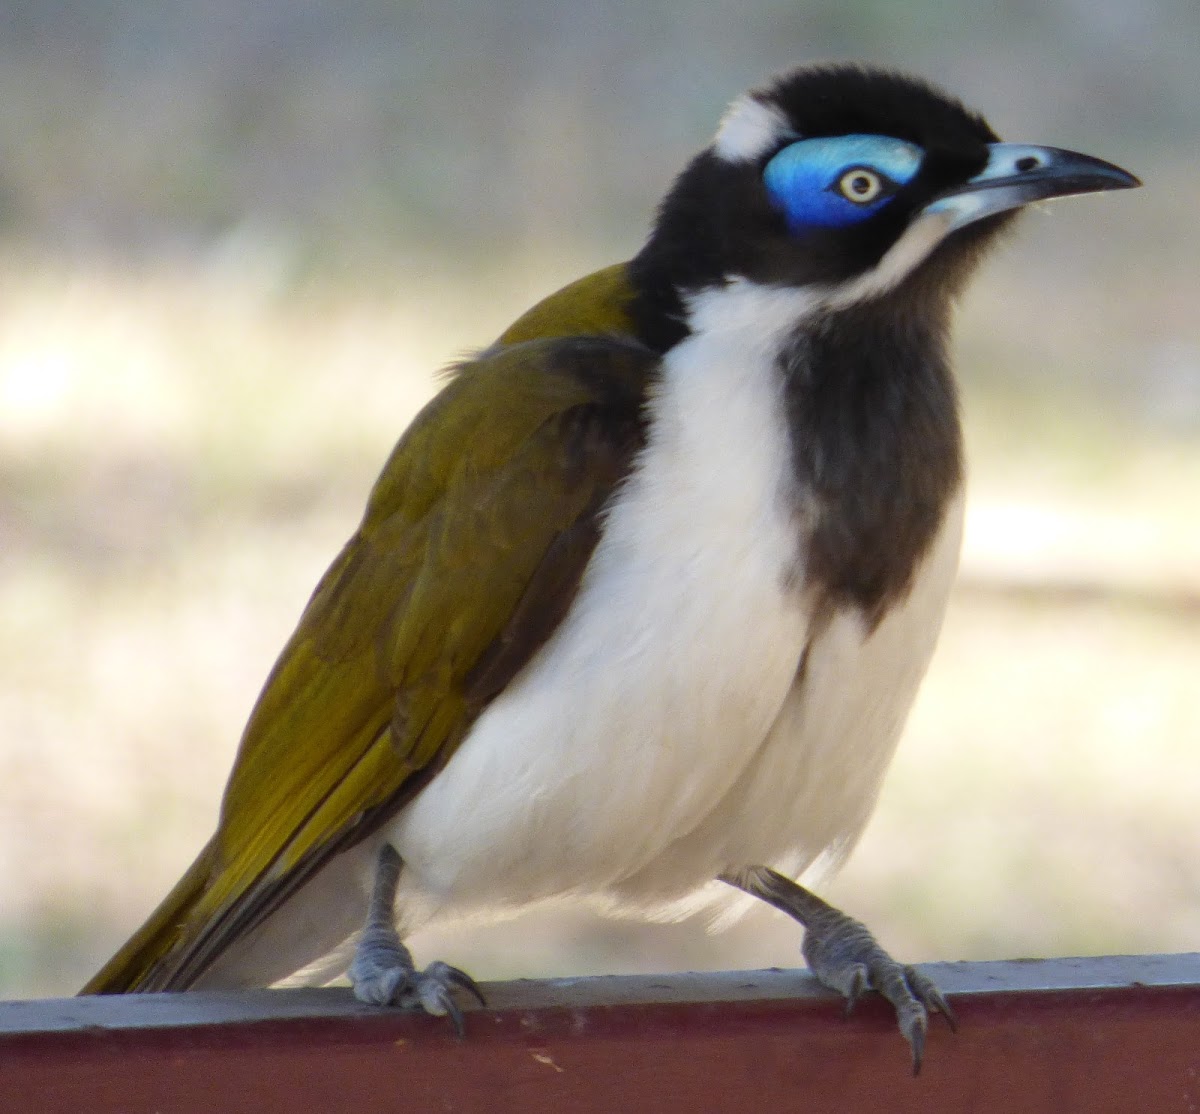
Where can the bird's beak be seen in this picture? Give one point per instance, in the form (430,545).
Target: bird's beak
(1016,174)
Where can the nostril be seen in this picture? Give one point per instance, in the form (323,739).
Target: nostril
(1029,162)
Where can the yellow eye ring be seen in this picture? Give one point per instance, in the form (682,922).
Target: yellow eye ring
(860,185)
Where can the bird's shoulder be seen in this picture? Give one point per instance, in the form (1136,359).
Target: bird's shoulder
(599,304)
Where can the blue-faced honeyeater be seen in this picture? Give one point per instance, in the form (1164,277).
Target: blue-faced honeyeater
(641,598)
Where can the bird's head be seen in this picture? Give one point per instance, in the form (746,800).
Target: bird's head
(852,183)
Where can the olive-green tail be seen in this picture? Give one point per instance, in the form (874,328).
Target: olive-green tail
(156,943)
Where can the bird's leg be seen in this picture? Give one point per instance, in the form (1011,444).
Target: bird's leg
(843,955)
(383,972)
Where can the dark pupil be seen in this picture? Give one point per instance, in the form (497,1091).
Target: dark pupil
(860,184)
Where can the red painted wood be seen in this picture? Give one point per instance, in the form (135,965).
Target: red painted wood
(715,1045)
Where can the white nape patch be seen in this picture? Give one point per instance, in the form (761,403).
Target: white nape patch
(650,701)
(749,129)
(899,261)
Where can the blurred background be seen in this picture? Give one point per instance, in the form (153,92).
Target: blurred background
(236,240)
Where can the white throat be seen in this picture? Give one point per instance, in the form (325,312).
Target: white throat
(898,262)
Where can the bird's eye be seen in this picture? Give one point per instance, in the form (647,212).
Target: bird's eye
(834,181)
(860,185)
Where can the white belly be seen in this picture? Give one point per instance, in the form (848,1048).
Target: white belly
(660,737)
(640,714)
(811,787)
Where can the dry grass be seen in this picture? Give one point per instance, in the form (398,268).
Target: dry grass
(180,455)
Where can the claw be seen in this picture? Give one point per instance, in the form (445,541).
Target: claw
(941,1006)
(459,978)
(857,986)
(433,988)
(916,1041)
(435,999)
(930,996)
(432,996)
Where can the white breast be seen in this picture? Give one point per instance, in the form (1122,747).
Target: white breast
(646,708)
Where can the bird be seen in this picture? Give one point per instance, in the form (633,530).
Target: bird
(641,598)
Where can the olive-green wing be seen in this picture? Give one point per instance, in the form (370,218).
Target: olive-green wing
(471,550)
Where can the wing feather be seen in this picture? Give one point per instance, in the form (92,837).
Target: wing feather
(470,552)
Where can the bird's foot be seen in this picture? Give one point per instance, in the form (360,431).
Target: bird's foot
(844,956)
(383,974)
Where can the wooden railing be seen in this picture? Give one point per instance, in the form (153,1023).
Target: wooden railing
(1097,1035)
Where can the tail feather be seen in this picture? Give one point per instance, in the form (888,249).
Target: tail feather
(146,959)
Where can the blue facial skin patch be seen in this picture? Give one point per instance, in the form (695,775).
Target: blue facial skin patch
(836,181)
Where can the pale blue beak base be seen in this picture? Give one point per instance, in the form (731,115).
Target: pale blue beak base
(1019,173)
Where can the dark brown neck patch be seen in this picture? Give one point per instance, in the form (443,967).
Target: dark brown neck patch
(876,446)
